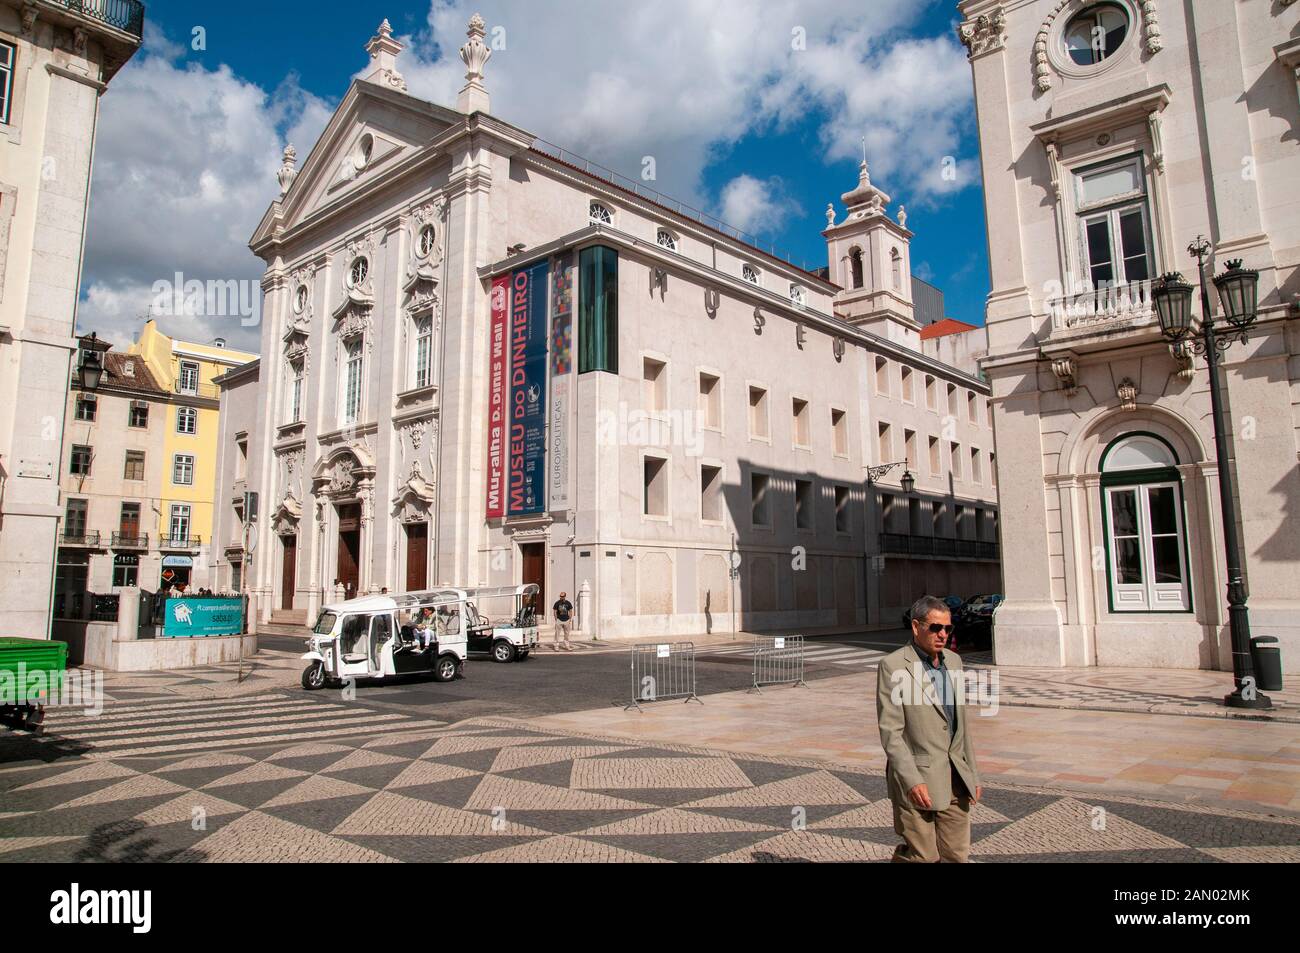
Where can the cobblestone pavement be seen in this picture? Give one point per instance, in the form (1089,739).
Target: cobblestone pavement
(503,790)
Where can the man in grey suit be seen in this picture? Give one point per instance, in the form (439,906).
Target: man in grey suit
(931,763)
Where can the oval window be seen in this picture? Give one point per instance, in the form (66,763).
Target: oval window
(1096,33)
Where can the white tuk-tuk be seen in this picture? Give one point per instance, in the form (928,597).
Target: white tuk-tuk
(512,638)
(416,633)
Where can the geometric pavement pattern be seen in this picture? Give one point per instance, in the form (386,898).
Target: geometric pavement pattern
(495,790)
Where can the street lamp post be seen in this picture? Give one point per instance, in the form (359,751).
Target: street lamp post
(1238,290)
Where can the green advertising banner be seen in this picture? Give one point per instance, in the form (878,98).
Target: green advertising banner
(186,618)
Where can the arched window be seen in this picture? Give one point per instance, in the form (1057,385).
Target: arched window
(666,240)
(600,214)
(1142,515)
(855,267)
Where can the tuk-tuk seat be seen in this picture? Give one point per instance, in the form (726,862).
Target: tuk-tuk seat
(353,659)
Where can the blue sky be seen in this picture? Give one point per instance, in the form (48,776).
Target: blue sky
(752,111)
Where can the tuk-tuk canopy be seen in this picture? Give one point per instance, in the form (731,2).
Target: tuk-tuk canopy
(431,598)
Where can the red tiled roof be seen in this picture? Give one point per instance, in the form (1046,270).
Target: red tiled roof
(142,380)
(944,327)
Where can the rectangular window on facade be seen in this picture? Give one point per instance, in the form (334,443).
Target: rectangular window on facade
(138,416)
(423,376)
(295,392)
(134,468)
(654,383)
(909,448)
(961,528)
(804,507)
(179,529)
(888,513)
(711,493)
(241,458)
(183,469)
(952,399)
(840,431)
(187,420)
(954,455)
(74,518)
(86,406)
(906,380)
(841,509)
(993,469)
(352,383)
(710,400)
(758,413)
(655,486)
(936,467)
(79,464)
(976,475)
(126,574)
(189,378)
(1114,231)
(937,518)
(759,504)
(129,520)
(882,376)
(8,60)
(598,310)
(799,422)
(972,407)
(885,438)
(929,392)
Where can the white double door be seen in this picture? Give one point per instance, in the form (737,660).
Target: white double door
(1148,567)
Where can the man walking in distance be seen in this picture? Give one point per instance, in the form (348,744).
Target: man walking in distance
(563,610)
(923,728)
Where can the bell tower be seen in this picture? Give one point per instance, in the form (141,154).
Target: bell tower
(870,259)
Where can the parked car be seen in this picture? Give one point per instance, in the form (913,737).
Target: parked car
(974,620)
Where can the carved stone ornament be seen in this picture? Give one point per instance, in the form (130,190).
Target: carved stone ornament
(287,516)
(1127,393)
(475,53)
(984,34)
(1065,370)
(383,50)
(837,348)
(1182,354)
(712,301)
(415,498)
(29,19)
(288,168)
(301,312)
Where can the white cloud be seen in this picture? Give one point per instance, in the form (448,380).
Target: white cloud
(185,162)
(755,205)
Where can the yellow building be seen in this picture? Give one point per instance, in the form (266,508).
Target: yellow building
(189,441)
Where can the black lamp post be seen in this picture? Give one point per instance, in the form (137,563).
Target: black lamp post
(91,369)
(1238,292)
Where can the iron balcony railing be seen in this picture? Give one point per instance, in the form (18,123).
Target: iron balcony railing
(125,15)
(179,542)
(130,541)
(188,389)
(905,544)
(79,539)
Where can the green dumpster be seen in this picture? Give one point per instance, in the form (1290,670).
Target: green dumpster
(31,675)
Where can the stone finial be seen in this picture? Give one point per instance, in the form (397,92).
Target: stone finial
(830,214)
(474,54)
(902,216)
(383,50)
(288,171)
(866,199)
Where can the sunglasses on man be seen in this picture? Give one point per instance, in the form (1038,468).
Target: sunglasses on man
(937,627)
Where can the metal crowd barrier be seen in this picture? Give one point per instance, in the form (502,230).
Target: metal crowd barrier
(778,660)
(665,670)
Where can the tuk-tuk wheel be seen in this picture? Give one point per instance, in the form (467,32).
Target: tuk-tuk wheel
(502,651)
(445,669)
(313,677)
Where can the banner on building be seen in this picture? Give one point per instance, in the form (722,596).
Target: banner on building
(561,382)
(191,618)
(498,389)
(526,493)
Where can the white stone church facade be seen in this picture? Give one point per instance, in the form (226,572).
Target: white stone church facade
(1112,135)
(686,422)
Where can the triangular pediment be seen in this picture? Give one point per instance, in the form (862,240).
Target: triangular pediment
(374,133)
